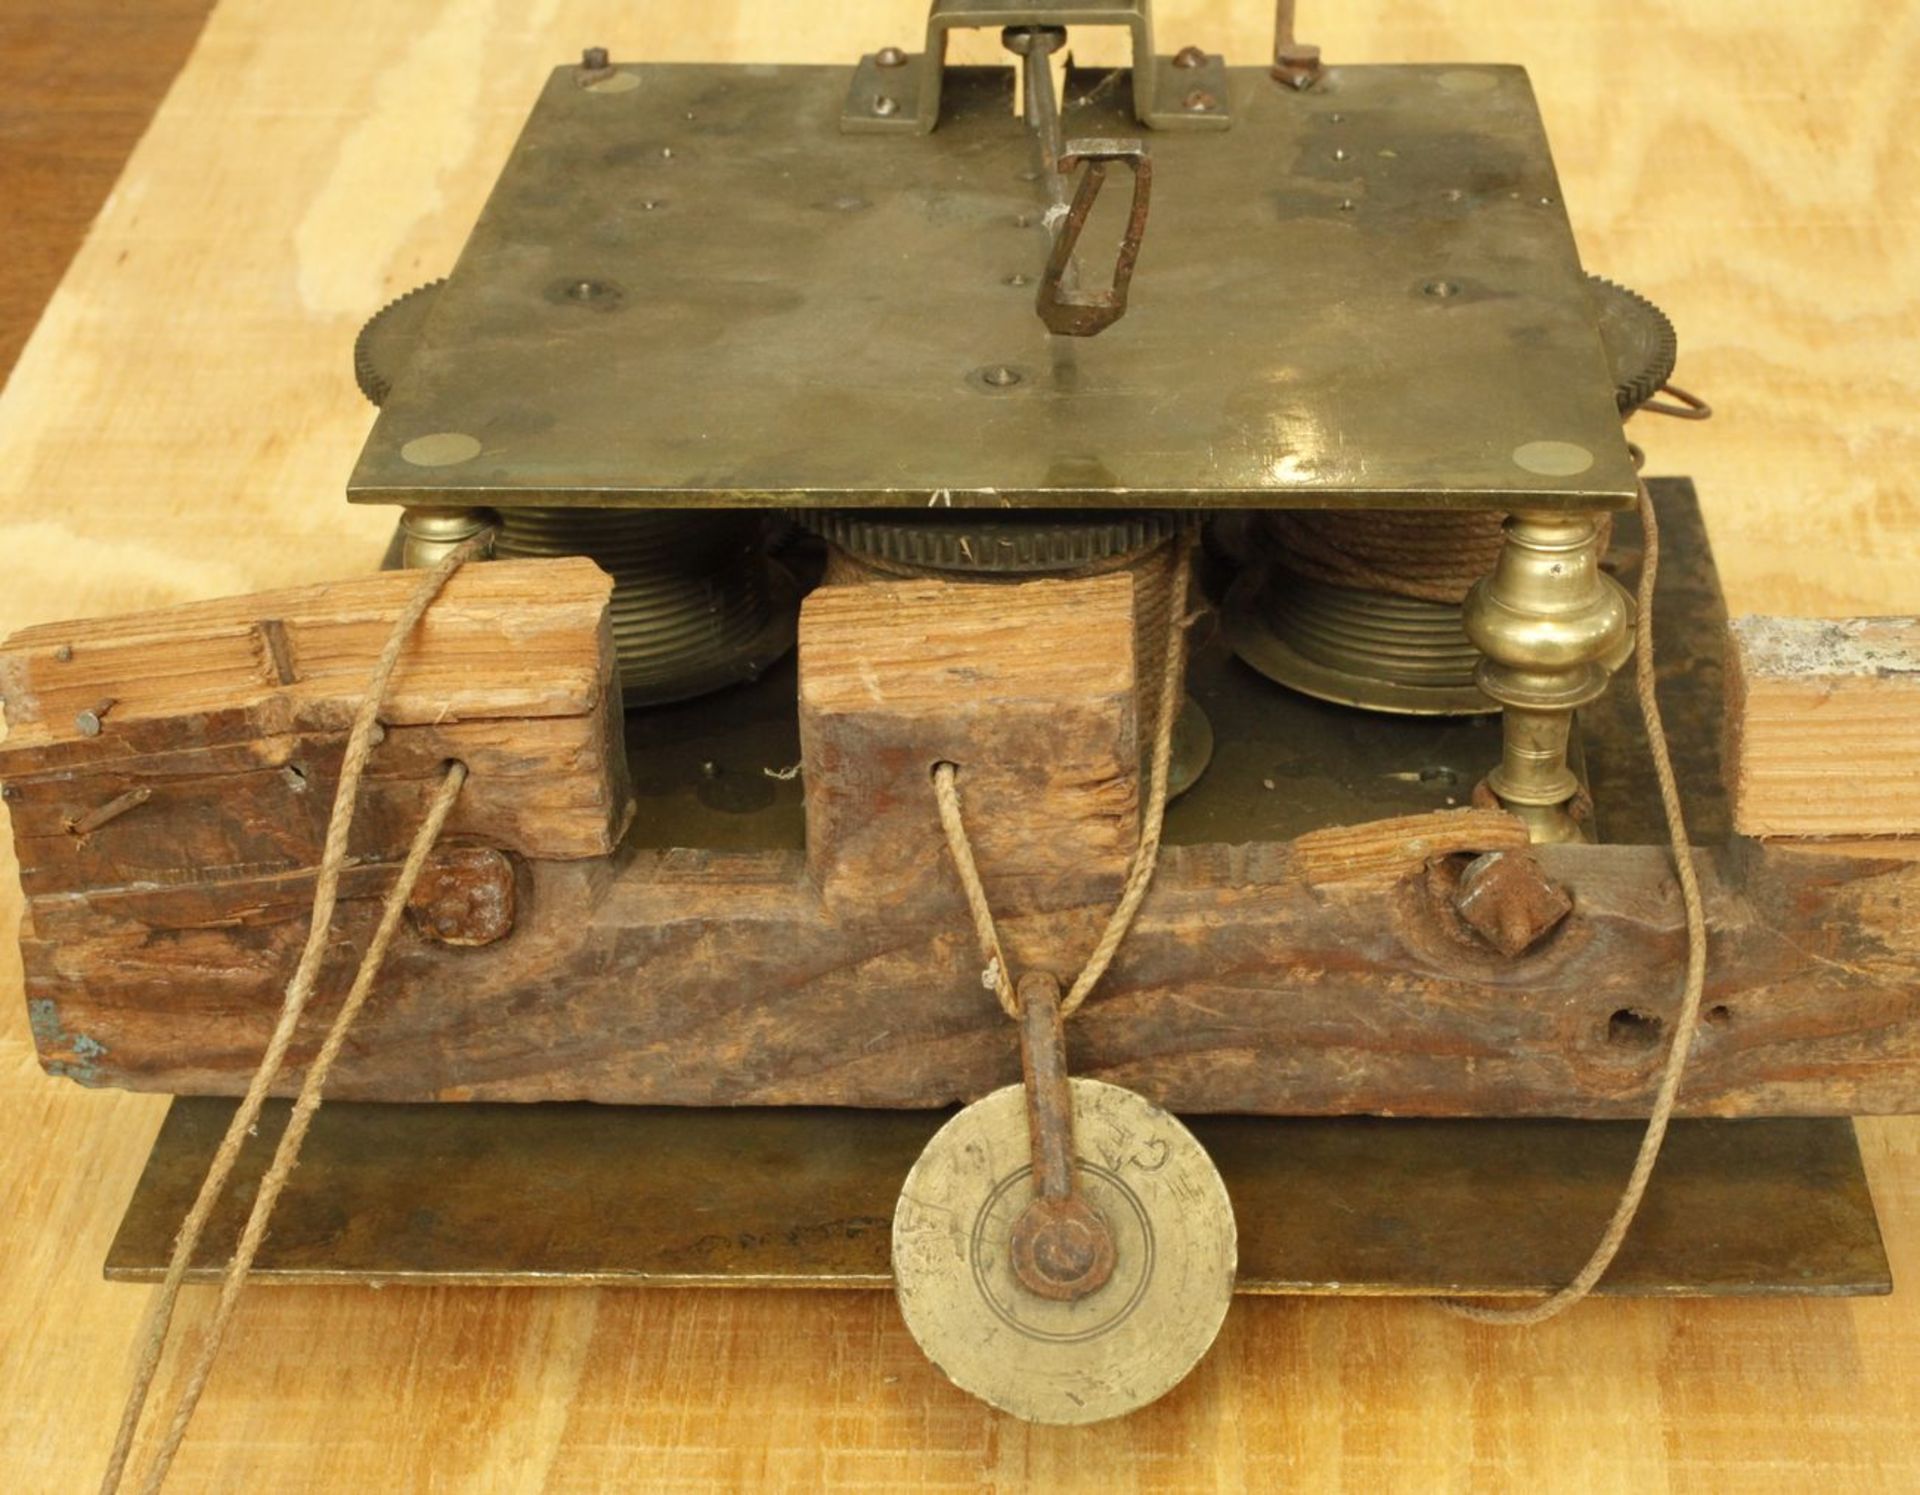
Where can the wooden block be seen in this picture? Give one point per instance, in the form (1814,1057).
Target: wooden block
(718,978)
(1823,726)
(222,744)
(1028,689)
(1381,852)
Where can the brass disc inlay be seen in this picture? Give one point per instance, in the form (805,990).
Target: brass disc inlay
(1054,1360)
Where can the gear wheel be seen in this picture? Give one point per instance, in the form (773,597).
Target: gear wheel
(385,344)
(1641,345)
(995,543)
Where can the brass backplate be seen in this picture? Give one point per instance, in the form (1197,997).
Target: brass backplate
(567,1194)
(690,286)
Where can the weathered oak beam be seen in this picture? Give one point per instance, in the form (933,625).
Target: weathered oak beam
(1028,690)
(202,743)
(721,979)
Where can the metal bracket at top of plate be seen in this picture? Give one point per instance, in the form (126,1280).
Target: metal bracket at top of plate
(896,90)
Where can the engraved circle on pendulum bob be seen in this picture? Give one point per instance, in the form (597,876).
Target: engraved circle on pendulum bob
(1102,1355)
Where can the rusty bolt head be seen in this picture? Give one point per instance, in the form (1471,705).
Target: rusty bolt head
(595,60)
(1189,57)
(465,896)
(1297,64)
(1199,101)
(1507,899)
(890,57)
(1061,1249)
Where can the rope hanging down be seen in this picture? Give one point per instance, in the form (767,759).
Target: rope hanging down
(333,858)
(1146,855)
(1141,873)
(1688,1018)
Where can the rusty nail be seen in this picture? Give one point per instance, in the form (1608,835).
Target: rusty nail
(885,104)
(595,60)
(87,824)
(890,57)
(1199,101)
(88,722)
(273,633)
(1189,57)
(1507,899)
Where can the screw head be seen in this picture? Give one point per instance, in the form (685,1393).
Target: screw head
(595,59)
(885,105)
(1199,102)
(1000,376)
(1189,57)
(890,57)
(1441,289)
(63,653)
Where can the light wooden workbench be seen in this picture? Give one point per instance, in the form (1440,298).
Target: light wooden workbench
(181,426)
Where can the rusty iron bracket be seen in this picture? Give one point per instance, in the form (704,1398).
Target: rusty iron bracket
(897,90)
(1295,63)
(1078,313)
(1061,1246)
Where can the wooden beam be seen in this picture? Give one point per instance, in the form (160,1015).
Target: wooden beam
(1028,690)
(203,743)
(693,978)
(1823,726)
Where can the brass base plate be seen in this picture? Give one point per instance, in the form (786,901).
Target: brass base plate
(571,1194)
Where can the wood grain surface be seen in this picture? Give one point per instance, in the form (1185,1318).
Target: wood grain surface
(181,424)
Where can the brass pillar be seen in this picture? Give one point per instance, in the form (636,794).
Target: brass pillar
(1552,628)
(430,532)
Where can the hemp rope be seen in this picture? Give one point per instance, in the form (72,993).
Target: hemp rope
(333,859)
(1430,556)
(1686,1022)
(1146,854)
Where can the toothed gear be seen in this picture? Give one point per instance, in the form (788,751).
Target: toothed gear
(385,344)
(1641,345)
(994,542)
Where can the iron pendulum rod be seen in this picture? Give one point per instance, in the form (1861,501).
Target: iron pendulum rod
(1035,47)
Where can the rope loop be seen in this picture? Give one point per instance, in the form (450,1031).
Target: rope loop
(361,741)
(1687,1022)
(946,789)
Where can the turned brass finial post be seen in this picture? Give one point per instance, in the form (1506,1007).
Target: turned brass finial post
(1552,628)
(429,533)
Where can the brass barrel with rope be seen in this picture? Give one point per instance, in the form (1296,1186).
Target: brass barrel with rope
(1364,607)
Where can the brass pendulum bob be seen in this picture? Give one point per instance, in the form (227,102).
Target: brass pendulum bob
(1063,1249)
